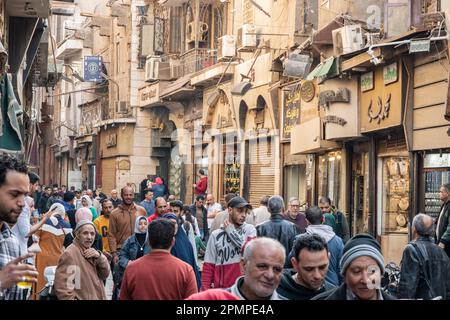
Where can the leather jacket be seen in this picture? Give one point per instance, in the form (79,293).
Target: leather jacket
(423,260)
(279,229)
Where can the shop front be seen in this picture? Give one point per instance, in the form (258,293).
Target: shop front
(430,130)
(383,102)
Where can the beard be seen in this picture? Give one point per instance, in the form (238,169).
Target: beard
(9,217)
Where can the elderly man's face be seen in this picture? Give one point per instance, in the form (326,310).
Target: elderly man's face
(114,194)
(238,215)
(262,273)
(86,235)
(294,206)
(443,194)
(361,277)
(209,200)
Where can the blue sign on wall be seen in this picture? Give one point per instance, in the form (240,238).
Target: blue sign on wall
(93,68)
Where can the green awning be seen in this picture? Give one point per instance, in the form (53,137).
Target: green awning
(326,69)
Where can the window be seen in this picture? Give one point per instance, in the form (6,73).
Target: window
(294,182)
(329,173)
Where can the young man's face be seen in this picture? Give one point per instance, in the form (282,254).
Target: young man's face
(199,203)
(127,196)
(48,191)
(361,277)
(176,211)
(312,268)
(12,195)
(325,207)
(107,207)
(34,187)
(149,196)
(238,215)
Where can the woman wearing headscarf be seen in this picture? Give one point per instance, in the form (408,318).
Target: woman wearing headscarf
(159,188)
(84,214)
(133,248)
(51,237)
(182,248)
(86,202)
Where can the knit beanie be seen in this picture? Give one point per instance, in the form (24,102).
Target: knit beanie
(361,245)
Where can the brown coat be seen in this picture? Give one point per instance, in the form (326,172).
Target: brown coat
(90,272)
(121,225)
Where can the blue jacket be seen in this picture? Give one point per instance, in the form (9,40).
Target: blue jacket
(130,249)
(159,190)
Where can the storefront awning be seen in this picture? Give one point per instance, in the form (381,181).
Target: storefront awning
(179,89)
(326,69)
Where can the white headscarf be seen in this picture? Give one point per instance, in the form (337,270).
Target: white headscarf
(58,210)
(88,200)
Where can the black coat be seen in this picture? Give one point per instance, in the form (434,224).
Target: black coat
(443,234)
(340,293)
(289,289)
(431,264)
(279,229)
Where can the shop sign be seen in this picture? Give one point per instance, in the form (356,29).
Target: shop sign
(124,165)
(75,179)
(437,160)
(93,68)
(334,119)
(367,81)
(149,94)
(111,140)
(291,112)
(381,107)
(307,91)
(328,96)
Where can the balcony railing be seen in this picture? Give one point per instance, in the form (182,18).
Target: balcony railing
(198,59)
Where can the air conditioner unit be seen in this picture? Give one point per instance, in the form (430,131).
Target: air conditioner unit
(347,39)
(176,69)
(151,68)
(246,39)
(226,47)
(156,69)
(190,32)
(121,107)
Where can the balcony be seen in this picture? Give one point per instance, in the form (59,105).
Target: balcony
(69,48)
(210,76)
(28,8)
(197,59)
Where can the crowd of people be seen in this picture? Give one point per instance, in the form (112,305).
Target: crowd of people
(162,248)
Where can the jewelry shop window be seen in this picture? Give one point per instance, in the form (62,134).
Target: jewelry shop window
(329,173)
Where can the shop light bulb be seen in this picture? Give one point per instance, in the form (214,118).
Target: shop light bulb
(338,157)
(332,158)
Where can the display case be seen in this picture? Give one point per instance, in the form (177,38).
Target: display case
(395,195)
(232,175)
(436,173)
(329,176)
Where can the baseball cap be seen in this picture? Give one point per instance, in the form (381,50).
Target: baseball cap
(239,202)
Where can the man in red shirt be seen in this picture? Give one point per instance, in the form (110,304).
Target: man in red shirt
(158,275)
(161,208)
(202,185)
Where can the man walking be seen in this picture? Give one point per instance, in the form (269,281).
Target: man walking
(158,275)
(310,266)
(362,265)
(443,221)
(425,271)
(122,221)
(198,210)
(116,201)
(82,269)
(102,224)
(14,185)
(277,228)
(340,227)
(202,185)
(222,257)
(148,203)
(295,216)
(262,264)
(335,245)
(260,214)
